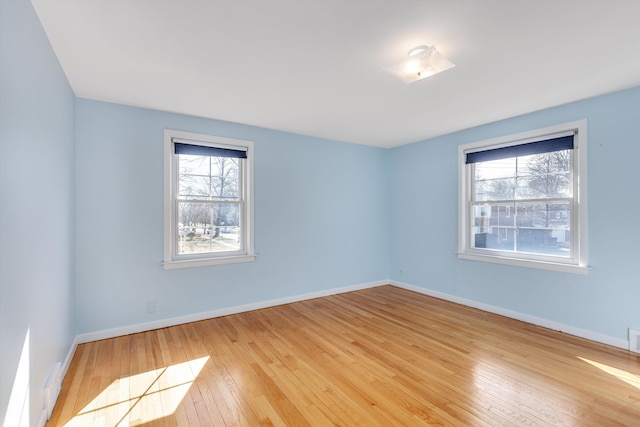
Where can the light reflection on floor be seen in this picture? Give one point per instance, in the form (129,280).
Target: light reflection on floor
(627,377)
(141,398)
(517,398)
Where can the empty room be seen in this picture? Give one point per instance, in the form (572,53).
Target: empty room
(319,213)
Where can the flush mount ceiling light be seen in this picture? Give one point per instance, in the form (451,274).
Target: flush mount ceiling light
(423,61)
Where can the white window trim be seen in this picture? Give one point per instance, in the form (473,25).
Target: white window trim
(579,264)
(170,185)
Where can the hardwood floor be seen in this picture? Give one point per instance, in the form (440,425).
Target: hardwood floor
(378,357)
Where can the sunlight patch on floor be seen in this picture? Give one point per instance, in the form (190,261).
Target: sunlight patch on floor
(141,398)
(627,377)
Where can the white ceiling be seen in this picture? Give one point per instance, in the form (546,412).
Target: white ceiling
(315,67)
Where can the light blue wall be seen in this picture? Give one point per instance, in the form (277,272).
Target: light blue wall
(423,231)
(327,215)
(321,219)
(36,206)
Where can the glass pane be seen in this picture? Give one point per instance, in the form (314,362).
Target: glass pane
(224,179)
(503,168)
(545,175)
(543,228)
(553,185)
(208,227)
(541,164)
(494,227)
(204,177)
(225,188)
(194,186)
(194,165)
(537,176)
(538,228)
(495,189)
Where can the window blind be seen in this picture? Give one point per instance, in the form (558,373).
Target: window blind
(537,147)
(203,150)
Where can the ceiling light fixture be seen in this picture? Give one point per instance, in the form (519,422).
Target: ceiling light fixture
(423,61)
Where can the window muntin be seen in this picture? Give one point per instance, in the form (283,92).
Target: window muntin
(208,200)
(522,208)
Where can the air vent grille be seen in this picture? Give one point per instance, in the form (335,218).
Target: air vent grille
(634,340)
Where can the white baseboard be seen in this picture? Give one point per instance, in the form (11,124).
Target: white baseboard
(549,324)
(67,360)
(163,323)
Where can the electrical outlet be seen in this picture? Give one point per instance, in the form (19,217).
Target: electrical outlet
(151,306)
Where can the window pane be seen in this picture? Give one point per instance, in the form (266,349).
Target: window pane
(554,185)
(495,180)
(495,189)
(225,178)
(544,228)
(194,165)
(540,164)
(539,228)
(545,175)
(208,227)
(494,227)
(204,177)
(194,186)
(538,176)
(503,168)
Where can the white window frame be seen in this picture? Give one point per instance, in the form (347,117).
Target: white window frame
(171,258)
(578,262)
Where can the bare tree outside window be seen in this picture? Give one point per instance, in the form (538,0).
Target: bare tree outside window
(550,174)
(208,203)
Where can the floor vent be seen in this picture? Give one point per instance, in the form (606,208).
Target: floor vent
(634,340)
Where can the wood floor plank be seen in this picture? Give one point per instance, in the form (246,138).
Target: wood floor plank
(377,357)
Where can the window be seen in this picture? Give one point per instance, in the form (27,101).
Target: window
(208,200)
(523,199)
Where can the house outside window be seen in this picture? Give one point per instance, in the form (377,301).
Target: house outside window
(522,199)
(208,200)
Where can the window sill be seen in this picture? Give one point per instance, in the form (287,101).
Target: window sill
(542,265)
(204,262)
